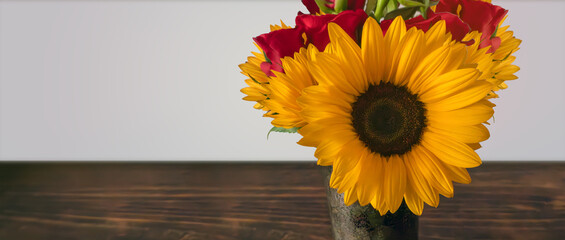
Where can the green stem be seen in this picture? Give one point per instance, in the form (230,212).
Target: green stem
(379,12)
(424,9)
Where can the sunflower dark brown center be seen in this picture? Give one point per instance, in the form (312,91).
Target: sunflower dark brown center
(389,119)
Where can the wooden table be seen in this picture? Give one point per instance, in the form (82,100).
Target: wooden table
(111,201)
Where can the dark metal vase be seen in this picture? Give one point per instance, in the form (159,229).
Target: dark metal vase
(364,222)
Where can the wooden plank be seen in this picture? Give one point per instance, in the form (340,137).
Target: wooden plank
(512,200)
(253,201)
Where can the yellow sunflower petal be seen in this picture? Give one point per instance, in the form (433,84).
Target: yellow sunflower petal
(349,157)
(465,133)
(349,53)
(451,151)
(392,39)
(473,93)
(325,161)
(436,37)
(418,181)
(329,149)
(457,174)
(474,114)
(328,70)
(349,180)
(448,83)
(395,182)
(414,203)
(407,55)
(350,196)
(367,182)
(372,50)
(434,172)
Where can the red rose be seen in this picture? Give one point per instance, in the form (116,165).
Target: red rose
(285,42)
(483,17)
(480,16)
(355,4)
(448,6)
(311,6)
(454,25)
(278,44)
(316,27)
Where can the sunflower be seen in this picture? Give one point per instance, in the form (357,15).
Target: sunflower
(509,44)
(287,87)
(496,67)
(485,61)
(258,82)
(398,117)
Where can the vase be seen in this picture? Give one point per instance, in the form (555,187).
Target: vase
(364,222)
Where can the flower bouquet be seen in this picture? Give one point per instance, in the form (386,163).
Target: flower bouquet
(393,94)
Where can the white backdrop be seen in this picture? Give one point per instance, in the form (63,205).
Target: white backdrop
(158,80)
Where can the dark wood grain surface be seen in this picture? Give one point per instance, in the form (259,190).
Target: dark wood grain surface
(182,201)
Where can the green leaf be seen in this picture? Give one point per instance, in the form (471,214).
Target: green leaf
(282,130)
(266,58)
(406,13)
(410,3)
(391,6)
(370,7)
(494,33)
